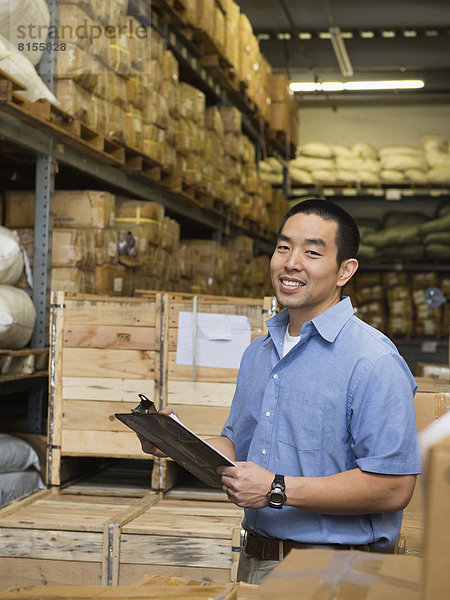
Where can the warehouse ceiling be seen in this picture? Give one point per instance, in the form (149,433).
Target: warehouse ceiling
(383,40)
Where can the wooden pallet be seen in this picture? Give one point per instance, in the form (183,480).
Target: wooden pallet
(136,162)
(185,192)
(23,364)
(48,118)
(172,12)
(139,164)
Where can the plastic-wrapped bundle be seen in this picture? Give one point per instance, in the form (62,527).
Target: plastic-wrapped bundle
(11,258)
(17,317)
(20,68)
(17,17)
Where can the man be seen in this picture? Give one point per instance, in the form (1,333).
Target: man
(322,424)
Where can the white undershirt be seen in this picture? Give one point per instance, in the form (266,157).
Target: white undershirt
(289,341)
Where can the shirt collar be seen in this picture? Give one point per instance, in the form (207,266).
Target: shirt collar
(328,324)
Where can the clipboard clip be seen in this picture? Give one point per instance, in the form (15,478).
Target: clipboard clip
(145,406)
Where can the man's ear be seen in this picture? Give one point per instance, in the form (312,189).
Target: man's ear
(346,271)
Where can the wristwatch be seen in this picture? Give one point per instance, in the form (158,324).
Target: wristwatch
(276,495)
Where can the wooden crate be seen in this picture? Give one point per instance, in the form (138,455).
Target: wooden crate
(182,538)
(56,537)
(65,538)
(104,352)
(200,395)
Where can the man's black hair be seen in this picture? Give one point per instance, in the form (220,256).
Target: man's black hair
(347,233)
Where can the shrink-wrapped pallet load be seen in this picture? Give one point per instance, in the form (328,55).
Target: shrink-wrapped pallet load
(17,317)
(11,258)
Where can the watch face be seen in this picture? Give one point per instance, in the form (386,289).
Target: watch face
(276,498)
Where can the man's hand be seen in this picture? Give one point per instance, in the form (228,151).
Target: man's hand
(147,446)
(247,484)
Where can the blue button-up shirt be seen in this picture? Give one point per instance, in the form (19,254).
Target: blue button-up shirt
(341,398)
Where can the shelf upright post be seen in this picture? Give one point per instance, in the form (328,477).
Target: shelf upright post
(44,188)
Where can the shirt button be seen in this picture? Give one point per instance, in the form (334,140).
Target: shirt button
(275,376)
(264,452)
(268,413)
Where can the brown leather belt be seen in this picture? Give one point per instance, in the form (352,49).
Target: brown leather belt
(273,549)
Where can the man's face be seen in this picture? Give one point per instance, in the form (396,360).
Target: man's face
(304,269)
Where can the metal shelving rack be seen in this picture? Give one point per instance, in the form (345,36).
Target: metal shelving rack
(48,154)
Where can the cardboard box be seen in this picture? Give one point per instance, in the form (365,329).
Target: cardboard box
(113,280)
(72,280)
(84,208)
(279,116)
(431,401)
(73,248)
(19,209)
(330,575)
(437,522)
(277,86)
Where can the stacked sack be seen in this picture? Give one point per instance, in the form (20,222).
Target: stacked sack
(17,312)
(362,164)
(271,170)
(407,235)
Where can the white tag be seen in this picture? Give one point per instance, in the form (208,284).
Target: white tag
(429,346)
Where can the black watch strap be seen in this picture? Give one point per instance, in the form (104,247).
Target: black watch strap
(278,481)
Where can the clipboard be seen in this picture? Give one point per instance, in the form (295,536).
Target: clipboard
(177,441)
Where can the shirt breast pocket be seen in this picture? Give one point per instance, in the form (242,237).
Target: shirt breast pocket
(305,424)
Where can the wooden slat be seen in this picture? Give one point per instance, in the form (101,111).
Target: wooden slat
(199,591)
(129,573)
(162,347)
(110,311)
(184,372)
(200,392)
(102,443)
(51,544)
(32,571)
(102,388)
(203,420)
(188,551)
(109,363)
(20,503)
(109,336)
(95,416)
(65,514)
(54,426)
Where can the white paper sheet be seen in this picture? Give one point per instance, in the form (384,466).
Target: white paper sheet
(221,339)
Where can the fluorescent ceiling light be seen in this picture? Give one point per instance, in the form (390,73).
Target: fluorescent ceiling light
(337,86)
(340,51)
(402,84)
